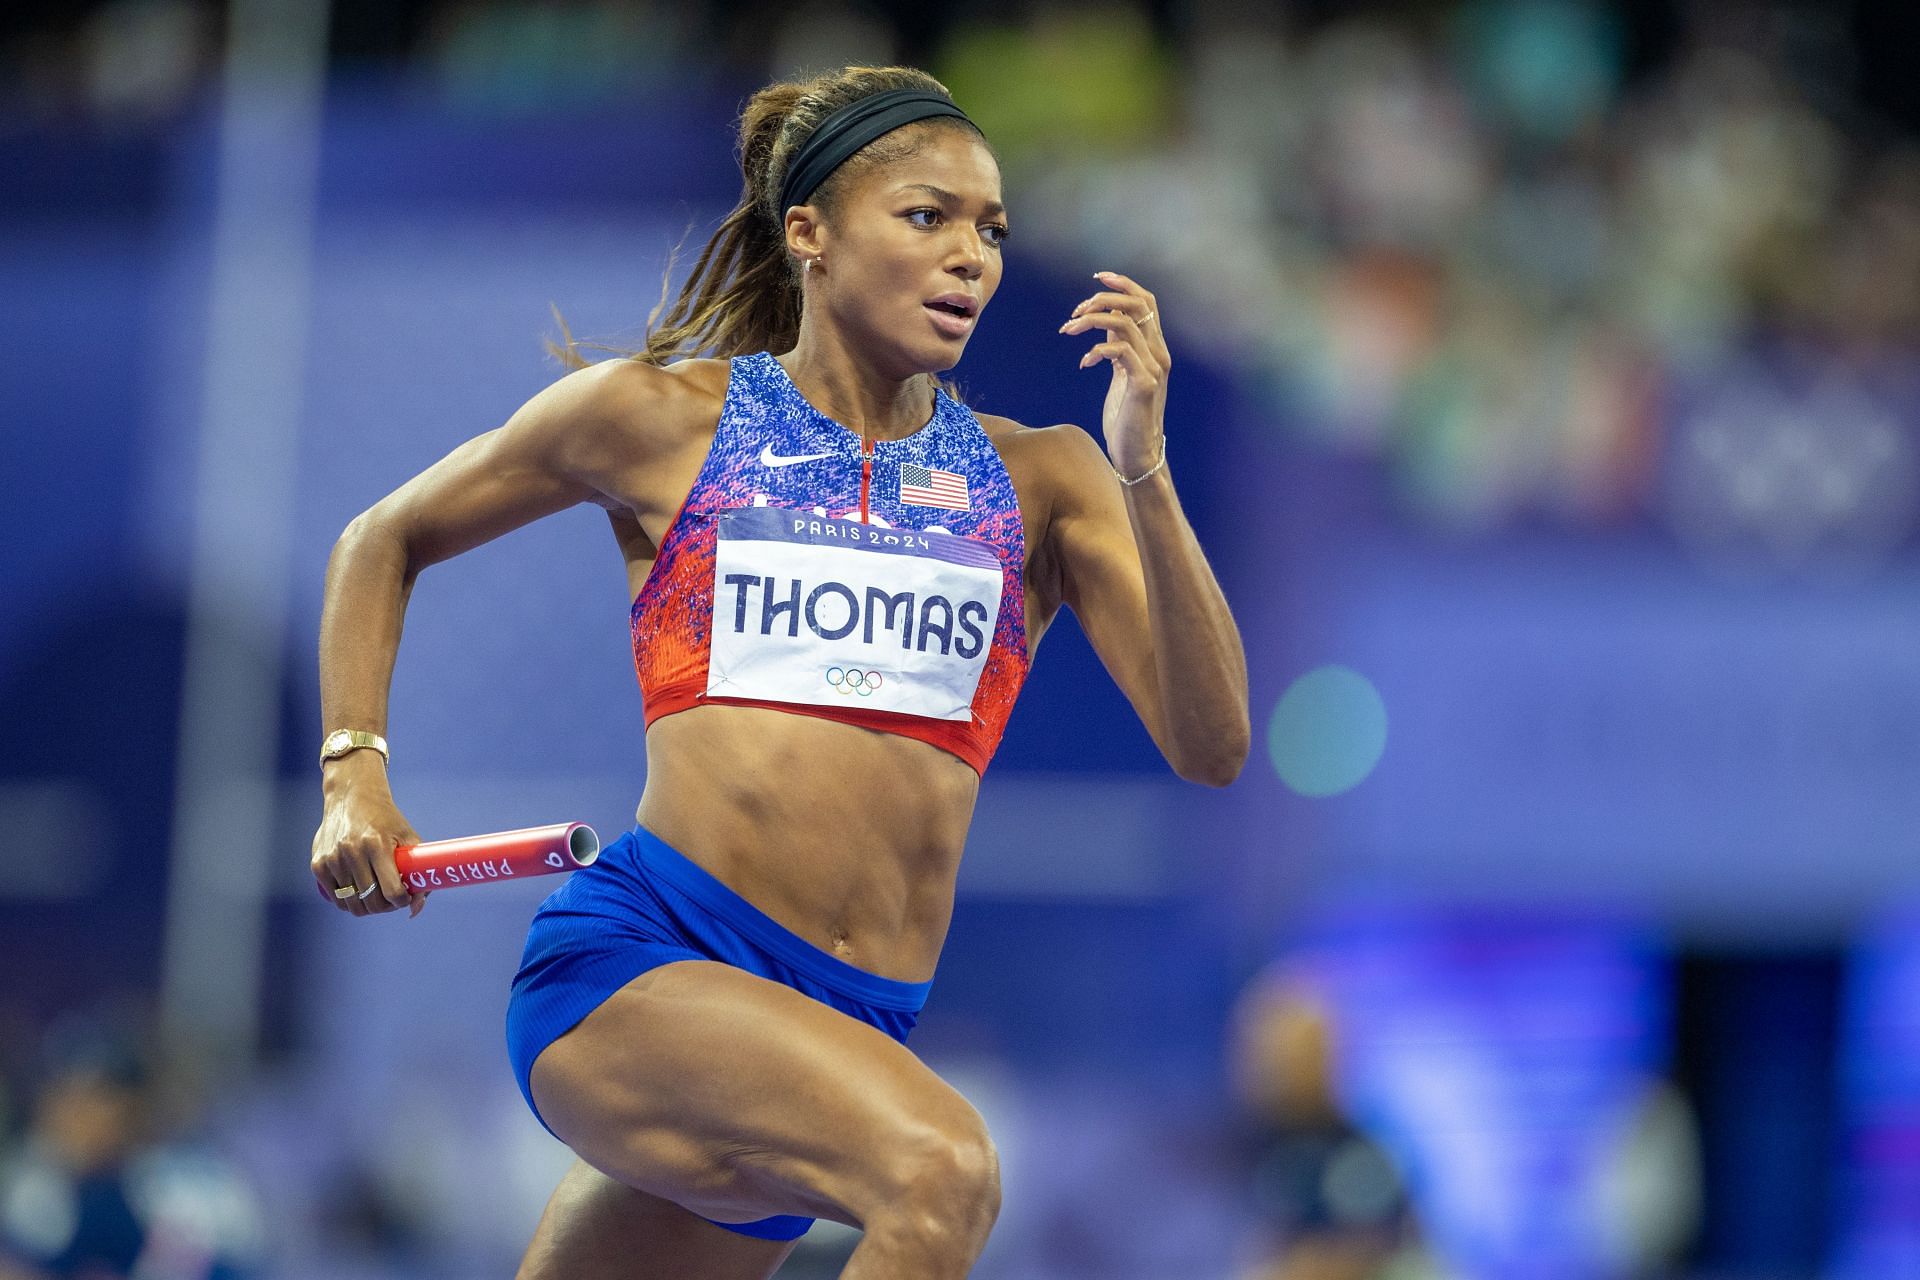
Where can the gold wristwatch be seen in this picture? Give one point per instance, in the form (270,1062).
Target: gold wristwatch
(341,741)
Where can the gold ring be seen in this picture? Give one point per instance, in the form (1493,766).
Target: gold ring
(343,892)
(1150,315)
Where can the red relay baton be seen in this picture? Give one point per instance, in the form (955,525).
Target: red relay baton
(498,855)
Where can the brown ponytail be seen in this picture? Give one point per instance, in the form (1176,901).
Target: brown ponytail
(744,293)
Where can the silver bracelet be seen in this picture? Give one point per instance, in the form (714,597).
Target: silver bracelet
(1149,471)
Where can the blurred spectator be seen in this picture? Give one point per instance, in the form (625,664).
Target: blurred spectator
(127,61)
(90,1193)
(1509,1061)
(1330,1200)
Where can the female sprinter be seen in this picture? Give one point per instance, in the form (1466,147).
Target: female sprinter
(839,574)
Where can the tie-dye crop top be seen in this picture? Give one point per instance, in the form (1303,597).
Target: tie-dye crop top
(880,586)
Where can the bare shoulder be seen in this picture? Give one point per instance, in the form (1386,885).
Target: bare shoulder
(1045,461)
(695,376)
(1056,473)
(1035,443)
(615,434)
(645,415)
(663,400)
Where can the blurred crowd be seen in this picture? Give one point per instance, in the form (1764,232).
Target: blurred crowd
(1471,246)
(1525,260)
(100,1175)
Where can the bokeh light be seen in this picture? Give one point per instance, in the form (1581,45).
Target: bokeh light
(1327,732)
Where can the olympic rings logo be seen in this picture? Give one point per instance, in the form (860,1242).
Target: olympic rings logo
(848,681)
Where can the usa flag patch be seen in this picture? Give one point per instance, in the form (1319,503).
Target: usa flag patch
(930,487)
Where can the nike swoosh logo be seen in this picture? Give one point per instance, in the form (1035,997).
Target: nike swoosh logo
(768,458)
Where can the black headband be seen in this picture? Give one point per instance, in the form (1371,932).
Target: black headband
(851,128)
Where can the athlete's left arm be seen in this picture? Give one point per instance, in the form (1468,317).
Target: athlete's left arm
(1130,567)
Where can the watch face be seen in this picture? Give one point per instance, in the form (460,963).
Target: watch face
(341,741)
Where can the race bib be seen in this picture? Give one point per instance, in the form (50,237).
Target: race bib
(839,613)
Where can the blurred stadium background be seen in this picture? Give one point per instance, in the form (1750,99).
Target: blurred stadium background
(1548,397)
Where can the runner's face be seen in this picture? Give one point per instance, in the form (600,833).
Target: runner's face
(910,232)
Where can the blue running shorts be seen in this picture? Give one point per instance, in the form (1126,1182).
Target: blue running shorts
(643,904)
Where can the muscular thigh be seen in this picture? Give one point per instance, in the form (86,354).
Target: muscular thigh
(598,1229)
(740,1098)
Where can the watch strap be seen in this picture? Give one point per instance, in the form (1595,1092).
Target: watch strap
(341,741)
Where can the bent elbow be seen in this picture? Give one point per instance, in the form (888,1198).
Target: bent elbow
(1219,762)
(369,526)
(1214,772)
(359,527)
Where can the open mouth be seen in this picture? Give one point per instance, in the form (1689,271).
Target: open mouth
(957,304)
(953,321)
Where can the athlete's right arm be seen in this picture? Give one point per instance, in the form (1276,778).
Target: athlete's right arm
(566,445)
